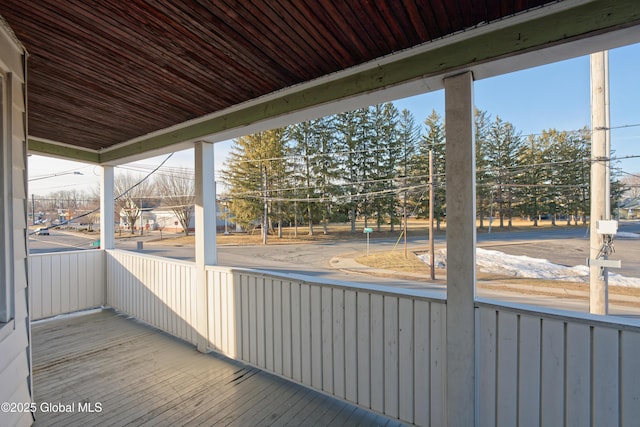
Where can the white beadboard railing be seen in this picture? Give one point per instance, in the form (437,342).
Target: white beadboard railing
(158,291)
(372,346)
(223,311)
(546,368)
(384,349)
(65,282)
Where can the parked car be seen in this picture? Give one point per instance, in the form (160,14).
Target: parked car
(42,232)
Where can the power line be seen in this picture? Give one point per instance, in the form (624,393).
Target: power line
(145,178)
(116,198)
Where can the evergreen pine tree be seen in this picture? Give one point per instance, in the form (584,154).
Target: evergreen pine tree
(432,140)
(386,151)
(255,169)
(503,146)
(408,137)
(352,144)
(482,122)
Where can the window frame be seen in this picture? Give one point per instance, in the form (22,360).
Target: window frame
(6,232)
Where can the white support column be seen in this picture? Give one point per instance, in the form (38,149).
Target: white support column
(461,250)
(107,208)
(205,211)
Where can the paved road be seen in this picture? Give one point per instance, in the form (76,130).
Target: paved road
(60,241)
(568,246)
(564,246)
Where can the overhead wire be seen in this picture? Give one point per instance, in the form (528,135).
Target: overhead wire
(116,198)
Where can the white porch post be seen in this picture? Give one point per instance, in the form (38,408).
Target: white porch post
(205,210)
(107,208)
(461,249)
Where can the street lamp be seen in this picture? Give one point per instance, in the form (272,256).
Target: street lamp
(226,214)
(33,201)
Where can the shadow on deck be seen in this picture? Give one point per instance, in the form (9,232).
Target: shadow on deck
(109,369)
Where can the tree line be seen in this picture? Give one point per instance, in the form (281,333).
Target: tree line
(372,164)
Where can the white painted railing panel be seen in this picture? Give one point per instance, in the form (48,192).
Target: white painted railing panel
(158,291)
(64,282)
(224,311)
(551,368)
(384,349)
(379,349)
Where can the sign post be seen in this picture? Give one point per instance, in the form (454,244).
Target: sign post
(368,231)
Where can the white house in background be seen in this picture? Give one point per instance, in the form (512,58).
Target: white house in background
(630,208)
(145,219)
(168,221)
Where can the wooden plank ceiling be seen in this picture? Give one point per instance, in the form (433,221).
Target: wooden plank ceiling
(102,73)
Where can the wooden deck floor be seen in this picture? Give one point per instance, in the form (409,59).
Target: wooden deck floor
(131,374)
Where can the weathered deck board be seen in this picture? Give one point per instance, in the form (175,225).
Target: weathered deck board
(142,376)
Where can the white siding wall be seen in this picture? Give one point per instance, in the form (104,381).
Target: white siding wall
(66,281)
(158,291)
(15,359)
(556,368)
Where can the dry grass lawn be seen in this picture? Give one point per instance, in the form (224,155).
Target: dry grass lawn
(395,261)
(342,231)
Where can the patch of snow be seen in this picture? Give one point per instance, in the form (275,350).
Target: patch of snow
(441,258)
(627,235)
(496,262)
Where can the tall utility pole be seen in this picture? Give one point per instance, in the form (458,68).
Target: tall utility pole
(600,180)
(404,220)
(265,219)
(404,204)
(432,258)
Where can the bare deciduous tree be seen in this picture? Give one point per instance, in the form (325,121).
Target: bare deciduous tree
(632,186)
(178,193)
(132,196)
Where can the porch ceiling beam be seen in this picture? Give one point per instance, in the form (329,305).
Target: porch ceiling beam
(468,50)
(63,151)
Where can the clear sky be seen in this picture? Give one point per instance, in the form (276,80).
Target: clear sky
(551,96)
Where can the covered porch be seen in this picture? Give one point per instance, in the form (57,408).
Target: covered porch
(383,350)
(126,81)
